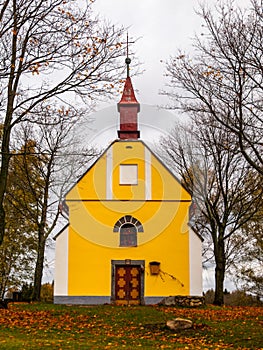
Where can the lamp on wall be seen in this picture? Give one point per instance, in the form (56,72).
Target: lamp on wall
(154,267)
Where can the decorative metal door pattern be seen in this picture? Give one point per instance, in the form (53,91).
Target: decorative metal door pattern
(127,285)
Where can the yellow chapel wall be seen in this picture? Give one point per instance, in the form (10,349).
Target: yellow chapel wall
(158,201)
(90,259)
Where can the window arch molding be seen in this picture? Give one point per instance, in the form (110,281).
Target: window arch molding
(128,219)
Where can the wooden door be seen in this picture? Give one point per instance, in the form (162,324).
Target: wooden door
(127,285)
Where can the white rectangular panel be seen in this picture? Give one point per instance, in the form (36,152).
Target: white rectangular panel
(128,174)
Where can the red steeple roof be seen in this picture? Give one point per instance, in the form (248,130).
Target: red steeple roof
(128,108)
(128,95)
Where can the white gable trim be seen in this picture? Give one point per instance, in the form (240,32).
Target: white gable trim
(61,264)
(109,173)
(195,263)
(148,174)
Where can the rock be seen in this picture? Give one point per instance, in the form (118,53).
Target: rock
(168,301)
(179,300)
(179,324)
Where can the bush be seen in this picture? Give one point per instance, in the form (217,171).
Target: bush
(235,298)
(241,298)
(209,296)
(27,292)
(46,294)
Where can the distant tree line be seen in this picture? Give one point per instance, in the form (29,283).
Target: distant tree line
(234,298)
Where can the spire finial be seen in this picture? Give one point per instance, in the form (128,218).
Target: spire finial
(128,60)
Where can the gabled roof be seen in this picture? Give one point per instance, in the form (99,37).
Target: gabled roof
(111,144)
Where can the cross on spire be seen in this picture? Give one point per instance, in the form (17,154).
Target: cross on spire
(128,60)
(128,106)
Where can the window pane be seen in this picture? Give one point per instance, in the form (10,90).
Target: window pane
(128,236)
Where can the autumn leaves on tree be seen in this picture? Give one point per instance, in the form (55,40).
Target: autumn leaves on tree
(54,56)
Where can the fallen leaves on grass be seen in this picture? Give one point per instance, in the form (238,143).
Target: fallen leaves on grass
(218,313)
(117,327)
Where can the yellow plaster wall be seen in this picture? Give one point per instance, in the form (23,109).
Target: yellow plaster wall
(92,185)
(90,260)
(94,221)
(93,244)
(164,185)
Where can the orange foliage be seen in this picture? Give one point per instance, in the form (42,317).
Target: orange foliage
(118,333)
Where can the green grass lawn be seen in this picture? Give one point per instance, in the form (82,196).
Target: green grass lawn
(37,326)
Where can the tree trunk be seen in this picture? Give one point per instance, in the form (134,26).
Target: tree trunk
(42,237)
(4,174)
(219,272)
(5,148)
(2,221)
(39,267)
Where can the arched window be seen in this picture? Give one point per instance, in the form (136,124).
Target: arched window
(128,235)
(128,227)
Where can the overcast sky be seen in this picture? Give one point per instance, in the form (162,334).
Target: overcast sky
(160,27)
(163,26)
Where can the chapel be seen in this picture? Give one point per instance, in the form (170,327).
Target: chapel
(128,239)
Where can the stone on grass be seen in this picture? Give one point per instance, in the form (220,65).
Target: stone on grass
(179,324)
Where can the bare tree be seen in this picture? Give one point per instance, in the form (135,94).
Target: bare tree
(247,270)
(51,51)
(52,160)
(214,171)
(224,78)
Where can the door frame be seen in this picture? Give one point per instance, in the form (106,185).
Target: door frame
(137,263)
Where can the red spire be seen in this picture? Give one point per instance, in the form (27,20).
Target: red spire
(128,107)
(128,95)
